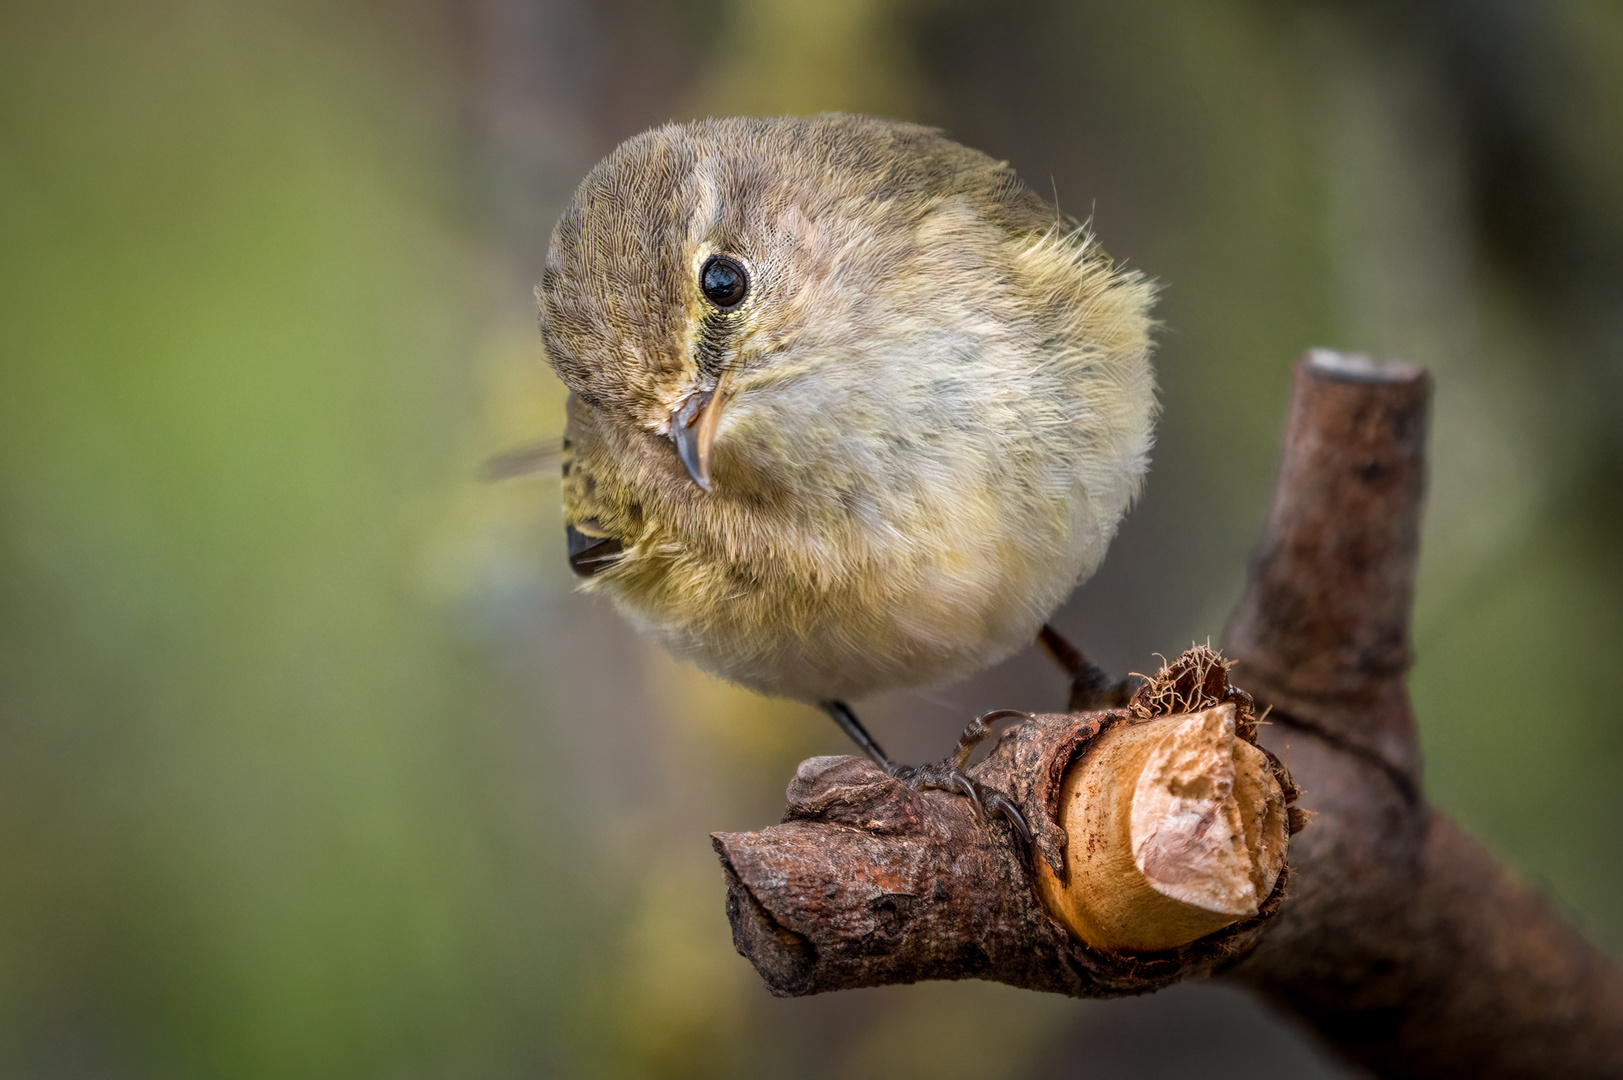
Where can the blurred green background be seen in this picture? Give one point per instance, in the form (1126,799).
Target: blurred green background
(312,764)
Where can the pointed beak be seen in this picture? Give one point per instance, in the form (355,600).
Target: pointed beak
(693,430)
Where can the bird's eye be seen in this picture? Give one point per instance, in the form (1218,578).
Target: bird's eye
(724,282)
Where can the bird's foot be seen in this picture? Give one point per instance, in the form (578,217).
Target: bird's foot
(948,775)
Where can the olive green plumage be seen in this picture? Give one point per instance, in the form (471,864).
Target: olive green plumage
(935,401)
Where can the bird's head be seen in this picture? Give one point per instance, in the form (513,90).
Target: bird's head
(784,266)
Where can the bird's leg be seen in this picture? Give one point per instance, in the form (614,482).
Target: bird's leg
(843,716)
(1091,687)
(945,775)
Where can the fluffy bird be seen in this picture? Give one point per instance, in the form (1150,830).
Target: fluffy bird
(852,408)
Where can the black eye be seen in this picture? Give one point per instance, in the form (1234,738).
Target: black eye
(724,282)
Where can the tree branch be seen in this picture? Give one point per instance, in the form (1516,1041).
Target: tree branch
(1389,931)
(869,882)
(1403,942)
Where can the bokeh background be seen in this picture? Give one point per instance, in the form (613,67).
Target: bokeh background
(312,762)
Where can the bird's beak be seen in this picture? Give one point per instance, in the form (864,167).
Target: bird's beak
(693,430)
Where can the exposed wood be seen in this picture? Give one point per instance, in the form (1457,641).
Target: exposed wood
(1403,943)
(869,882)
(1389,931)
(1176,830)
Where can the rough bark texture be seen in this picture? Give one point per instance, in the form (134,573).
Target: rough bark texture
(869,882)
(1392,933)
(1324,623)
(1403,942)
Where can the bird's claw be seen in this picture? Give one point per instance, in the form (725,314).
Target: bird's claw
(949,775)
(1011,813)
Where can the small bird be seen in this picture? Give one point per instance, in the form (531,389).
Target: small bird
(851,407)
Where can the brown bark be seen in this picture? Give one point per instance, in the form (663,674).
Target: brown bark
(1323,628)
(1403,942)
(869,882)
(1390,932)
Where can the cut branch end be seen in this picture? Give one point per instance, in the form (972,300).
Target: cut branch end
(1177,829)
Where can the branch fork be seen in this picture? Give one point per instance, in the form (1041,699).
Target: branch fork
(1382,925)
(1159,850)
